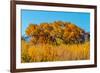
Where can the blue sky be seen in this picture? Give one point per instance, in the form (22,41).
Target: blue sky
(81,19)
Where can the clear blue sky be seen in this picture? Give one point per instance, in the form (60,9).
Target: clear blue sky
(36,17)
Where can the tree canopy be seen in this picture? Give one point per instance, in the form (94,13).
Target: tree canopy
(55,33)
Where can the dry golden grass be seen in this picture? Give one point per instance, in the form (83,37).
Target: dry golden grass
(47,52)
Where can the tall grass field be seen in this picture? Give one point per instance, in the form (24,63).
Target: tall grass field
(46,52)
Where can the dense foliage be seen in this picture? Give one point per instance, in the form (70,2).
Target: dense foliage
(57,32)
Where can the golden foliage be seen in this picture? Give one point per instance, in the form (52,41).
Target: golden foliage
(30,29)
(58,29)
